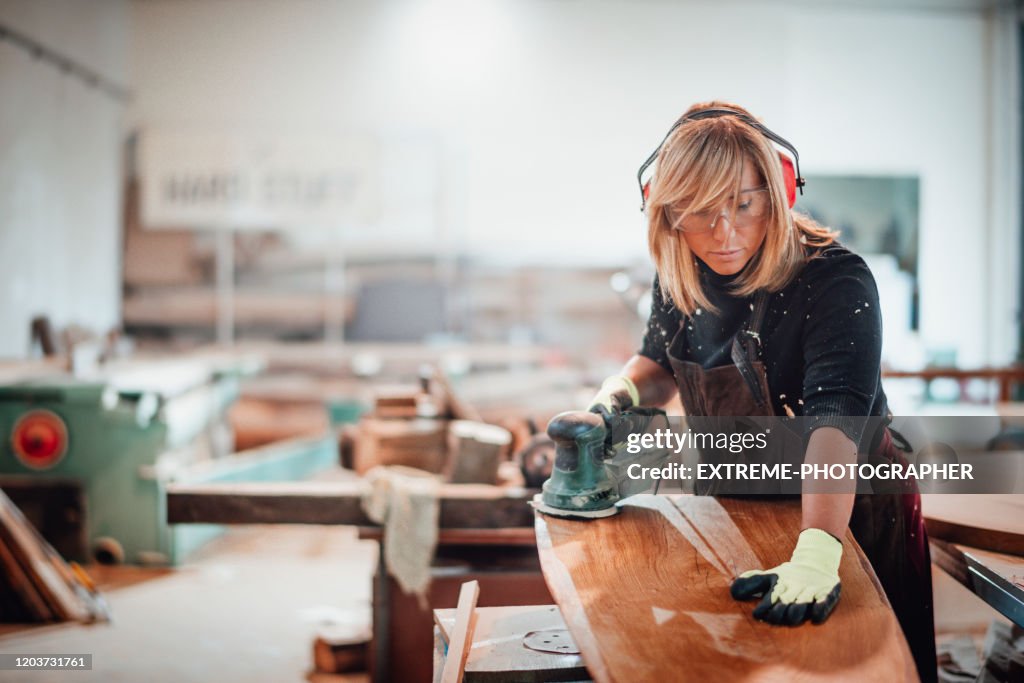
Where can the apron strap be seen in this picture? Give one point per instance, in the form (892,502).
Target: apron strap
(745,345)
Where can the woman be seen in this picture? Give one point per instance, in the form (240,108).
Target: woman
(758,310)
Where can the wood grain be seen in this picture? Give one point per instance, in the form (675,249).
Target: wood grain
(646,596)
(992,522)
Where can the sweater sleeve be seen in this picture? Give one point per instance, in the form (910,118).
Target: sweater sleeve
(662,326)
(842,348)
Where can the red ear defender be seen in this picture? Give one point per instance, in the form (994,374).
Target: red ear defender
(788,178)
(790,164)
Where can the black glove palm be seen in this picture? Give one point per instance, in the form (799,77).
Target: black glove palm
(806,587)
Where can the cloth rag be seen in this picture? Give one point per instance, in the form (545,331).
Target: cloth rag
(405,501)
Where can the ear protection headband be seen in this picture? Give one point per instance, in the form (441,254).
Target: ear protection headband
(790,166)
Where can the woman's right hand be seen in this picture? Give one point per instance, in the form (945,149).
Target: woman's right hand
(617,394)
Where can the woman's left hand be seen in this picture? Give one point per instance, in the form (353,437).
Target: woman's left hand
(806,587)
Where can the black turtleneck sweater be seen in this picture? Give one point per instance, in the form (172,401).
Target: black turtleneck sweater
(821,339)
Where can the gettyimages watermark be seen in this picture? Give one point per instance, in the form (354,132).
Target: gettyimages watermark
(768,455)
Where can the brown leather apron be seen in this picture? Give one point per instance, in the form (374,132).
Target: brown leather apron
(888,526)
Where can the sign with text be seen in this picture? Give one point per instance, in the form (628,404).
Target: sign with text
(211,181)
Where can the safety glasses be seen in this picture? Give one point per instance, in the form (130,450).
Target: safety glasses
(753,206)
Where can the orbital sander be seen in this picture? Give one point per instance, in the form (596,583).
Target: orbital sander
(581,485)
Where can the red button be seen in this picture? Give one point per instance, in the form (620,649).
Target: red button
(40,439)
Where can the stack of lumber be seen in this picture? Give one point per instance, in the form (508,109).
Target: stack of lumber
(36,584)
(409,426)
(419,443)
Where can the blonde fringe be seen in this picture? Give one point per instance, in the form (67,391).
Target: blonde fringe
(714,150)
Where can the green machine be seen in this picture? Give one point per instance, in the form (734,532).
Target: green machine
(89,460)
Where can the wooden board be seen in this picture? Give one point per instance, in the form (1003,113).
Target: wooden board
(992,522)
(957,559)
(14,578)
(1008,567)
(44,570)
(646,596)
(336,502)
(498,653)
(996,578)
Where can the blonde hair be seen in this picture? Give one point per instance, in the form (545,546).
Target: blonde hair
(701,165)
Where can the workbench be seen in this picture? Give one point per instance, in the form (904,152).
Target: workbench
(1006,378)
(996,578)
(486,534)
(513,645)
(979,541)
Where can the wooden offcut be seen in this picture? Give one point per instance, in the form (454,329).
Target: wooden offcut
(395,404)
(645,595)
(475,452)
(462,633)
(341,650)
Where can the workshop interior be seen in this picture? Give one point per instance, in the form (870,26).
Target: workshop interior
(331,340)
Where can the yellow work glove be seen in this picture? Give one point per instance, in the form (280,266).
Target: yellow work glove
(806,587)
(617,394)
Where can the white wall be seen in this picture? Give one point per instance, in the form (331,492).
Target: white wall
(546,108)
(60,170)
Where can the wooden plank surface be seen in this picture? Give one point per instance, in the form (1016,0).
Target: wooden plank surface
(291,502)
(1008,567)
(646,596)
(996,578)
(498,653)
(993,522)
(336,502)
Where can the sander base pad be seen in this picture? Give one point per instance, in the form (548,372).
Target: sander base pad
(538,505)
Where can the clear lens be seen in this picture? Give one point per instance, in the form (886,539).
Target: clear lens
(754,205)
